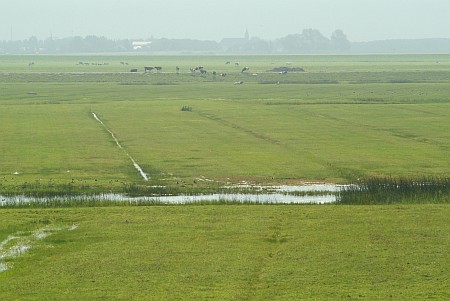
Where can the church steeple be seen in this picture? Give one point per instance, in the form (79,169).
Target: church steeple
(247,36)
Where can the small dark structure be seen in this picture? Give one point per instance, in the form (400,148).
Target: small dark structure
(287,69)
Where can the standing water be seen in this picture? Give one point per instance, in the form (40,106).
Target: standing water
(307,194)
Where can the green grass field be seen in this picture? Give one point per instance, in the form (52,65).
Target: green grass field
(344,118)
(230,253)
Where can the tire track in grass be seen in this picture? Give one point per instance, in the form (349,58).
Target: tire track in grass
(138,168)
(238,127)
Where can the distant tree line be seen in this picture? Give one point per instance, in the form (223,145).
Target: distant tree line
(312,41)
(88,44)
(308,41)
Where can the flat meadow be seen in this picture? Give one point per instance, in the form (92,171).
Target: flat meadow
(340,120)
(219,252)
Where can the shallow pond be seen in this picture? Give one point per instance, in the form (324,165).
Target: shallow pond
(320,194)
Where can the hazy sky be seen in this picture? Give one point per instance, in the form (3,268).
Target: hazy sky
(361,20)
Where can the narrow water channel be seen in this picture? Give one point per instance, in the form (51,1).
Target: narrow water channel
(138,168)
(320,194)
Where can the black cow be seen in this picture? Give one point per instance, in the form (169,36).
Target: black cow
(148,68)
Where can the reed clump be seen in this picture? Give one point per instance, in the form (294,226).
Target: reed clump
(391,190)
(77,202)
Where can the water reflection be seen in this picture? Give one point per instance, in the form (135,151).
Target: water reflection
(321,194)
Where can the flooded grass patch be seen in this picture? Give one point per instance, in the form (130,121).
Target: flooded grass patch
(20,242)
(364,192)
(161,195)
(269,195)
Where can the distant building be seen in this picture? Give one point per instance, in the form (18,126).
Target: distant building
(140,45)
(235,44)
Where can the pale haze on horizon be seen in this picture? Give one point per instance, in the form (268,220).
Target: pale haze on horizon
(360,20)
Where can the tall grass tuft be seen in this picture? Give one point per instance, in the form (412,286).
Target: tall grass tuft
(396,191)
(80,201)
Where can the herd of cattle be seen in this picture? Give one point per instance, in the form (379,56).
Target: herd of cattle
(194,70)
(202,70)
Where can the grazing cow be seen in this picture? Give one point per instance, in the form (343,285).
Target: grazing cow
(223,74)
(245,69)
(158,68)
(202,71)
(227,62)
(133,70)
(238,83)
(148,68)
(236,64)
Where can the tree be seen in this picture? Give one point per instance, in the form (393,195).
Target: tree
(309,41)
(313,41)
(339,41)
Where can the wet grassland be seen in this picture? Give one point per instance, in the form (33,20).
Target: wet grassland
(345,118)
(378,121)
